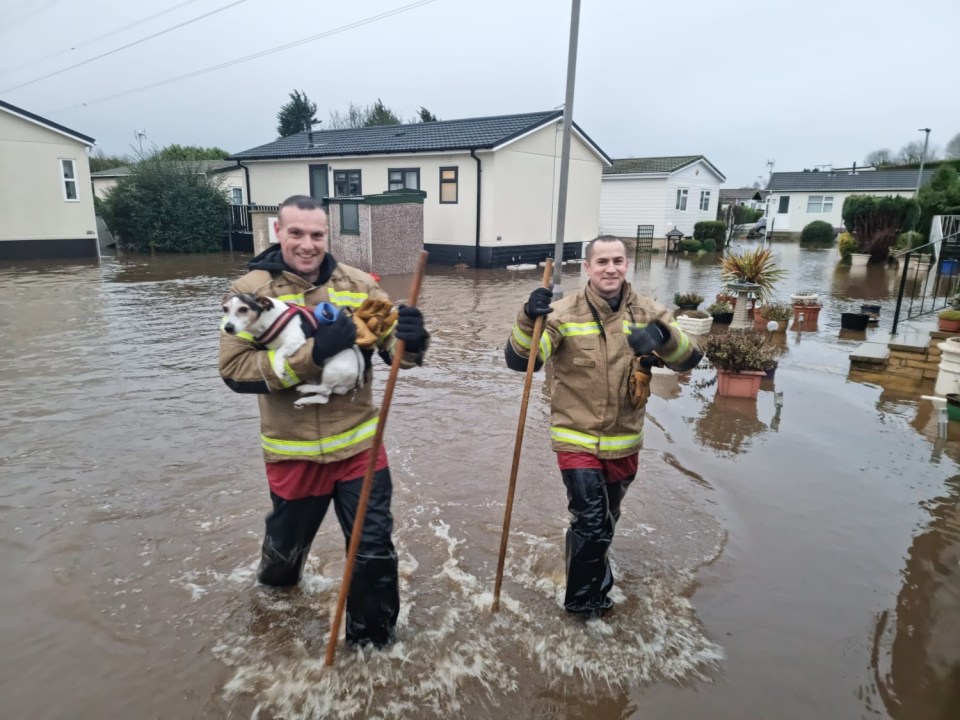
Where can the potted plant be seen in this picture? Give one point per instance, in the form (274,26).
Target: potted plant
(753,267)
(741,360)
(948,320)
(727,298)
(854,320)
(871,309)
(722,312)
(806,304)
(687,301)
(772,311)
(694,322)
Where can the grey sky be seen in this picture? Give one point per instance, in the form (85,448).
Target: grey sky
(741,82)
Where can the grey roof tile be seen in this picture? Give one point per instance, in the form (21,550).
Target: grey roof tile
(650,164)
(846,181)
(444,135)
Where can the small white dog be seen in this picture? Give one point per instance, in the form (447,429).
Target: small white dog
(279,326)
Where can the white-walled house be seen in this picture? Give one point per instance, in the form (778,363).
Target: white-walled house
(46,203)
(798,198)
(228,174)
(491,183)
(665,192)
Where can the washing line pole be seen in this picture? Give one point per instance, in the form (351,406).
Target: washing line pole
(565,147)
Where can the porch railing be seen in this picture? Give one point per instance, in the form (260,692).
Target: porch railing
(929,274)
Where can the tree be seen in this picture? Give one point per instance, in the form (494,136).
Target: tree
(101,161)
(357,116)
(380,114)
(296,116)
(189,153)
(167,207)
(953,147)
(883,156)
(940,196)
(876,221)
(425,115)
(912,153)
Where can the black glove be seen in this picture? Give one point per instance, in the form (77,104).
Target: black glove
(644,341)
(539,303)
(410,329)
(330,339)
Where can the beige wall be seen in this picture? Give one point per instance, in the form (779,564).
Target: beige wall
(32,204)
(103,185)
(524,181)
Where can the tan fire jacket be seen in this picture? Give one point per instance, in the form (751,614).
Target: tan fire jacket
(591,410)
(319,433)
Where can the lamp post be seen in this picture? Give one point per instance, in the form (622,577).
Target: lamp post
(923,155)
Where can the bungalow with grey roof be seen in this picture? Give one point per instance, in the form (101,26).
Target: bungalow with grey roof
(491,183)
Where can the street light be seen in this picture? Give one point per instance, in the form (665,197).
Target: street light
(923,156)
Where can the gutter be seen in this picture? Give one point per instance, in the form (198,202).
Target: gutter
(246,173)
(476,247)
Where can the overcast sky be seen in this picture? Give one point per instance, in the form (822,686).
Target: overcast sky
(802,83)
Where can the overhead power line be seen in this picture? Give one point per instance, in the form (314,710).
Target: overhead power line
(262,53)
(124,47)
(51,56)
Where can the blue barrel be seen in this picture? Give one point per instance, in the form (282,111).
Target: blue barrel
(950,266)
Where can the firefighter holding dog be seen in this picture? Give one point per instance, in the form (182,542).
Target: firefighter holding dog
(603,341)
(319,454)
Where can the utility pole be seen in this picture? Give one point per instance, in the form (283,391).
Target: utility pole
(923,156)
(565,147)
(141,134)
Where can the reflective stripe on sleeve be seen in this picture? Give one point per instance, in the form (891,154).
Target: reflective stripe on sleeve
(289,378)
(683,347)
(523,340)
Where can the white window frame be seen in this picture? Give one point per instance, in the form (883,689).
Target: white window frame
(234,193)
(704,200)
(819,204)
(67,181)
(682,194)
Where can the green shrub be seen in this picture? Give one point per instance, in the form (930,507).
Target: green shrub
(167,206)
(737,351)
(687,299)
(719,308)
(818,231)
(710,229)
(910,240)
(689,245)
(952,315)
(709,245)
(743,215)
(877,220)
(775,311)
(847,245)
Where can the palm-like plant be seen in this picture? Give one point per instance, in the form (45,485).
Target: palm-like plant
(753,266)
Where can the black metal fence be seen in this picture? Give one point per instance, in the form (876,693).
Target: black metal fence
(929,274)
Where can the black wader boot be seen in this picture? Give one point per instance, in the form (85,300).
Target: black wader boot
(589,577)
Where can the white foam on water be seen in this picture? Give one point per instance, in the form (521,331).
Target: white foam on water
(454,652)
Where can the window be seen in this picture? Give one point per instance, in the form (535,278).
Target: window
(346,183)
(681,198)
(236,196)
(349,218)
(704,199)
(449,182)
(820,204)
(784,204)
(68,174)
(403,178)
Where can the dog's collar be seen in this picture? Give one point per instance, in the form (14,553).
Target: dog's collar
(281,322)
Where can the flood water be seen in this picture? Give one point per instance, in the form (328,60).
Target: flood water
(795,564)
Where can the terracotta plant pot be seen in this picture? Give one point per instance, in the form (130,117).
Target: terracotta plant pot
(745,384)
(809,313)
(948,325)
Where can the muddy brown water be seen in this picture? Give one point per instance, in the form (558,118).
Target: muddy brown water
(800,564)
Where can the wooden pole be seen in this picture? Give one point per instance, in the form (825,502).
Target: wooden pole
(521,423)
(367,486)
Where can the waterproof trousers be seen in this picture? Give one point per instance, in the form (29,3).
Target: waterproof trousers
(374,600)
(595,506)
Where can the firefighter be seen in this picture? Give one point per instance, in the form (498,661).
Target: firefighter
(603,341)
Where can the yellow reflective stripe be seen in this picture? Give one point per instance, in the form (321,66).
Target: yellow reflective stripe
(523,340)
(241,335)
(587,328)
(682,348)
(619,442)
(628,326)
(546,347)
(289,378)
(293,299)
(572,437)
(323,446)
(346,298)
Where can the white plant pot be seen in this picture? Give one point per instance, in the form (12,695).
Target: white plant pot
(859,259)
(948,377)
(695,326)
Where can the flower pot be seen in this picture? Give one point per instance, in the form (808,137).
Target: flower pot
(854,321)
(859,259)
(953,406)
(694,326)
(723,318)
(948,325)
(805,299)
(744,384)
(872,310)
(806,314)
(760,324)
(688,306)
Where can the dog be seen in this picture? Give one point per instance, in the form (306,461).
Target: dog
(284,328)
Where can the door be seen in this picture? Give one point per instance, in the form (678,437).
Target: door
(319,183)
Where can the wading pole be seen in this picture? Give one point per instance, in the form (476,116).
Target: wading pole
(531,364)
(367,486)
